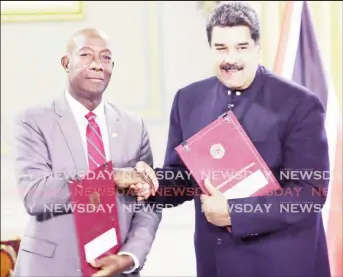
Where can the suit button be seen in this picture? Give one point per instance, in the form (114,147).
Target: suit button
(219,241)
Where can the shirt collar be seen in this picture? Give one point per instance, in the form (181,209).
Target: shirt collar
(79,111)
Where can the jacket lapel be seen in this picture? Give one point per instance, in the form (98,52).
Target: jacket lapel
(71,134)
(116,135)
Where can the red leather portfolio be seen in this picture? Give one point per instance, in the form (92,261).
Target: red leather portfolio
(93,199)
(223,153)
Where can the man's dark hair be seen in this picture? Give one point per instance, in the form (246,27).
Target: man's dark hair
(234,14)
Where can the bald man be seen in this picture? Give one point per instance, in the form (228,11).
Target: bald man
(76,133)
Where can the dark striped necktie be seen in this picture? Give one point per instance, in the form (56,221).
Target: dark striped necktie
(95,144)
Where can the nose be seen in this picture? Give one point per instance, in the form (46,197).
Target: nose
(230,57)
(96,65)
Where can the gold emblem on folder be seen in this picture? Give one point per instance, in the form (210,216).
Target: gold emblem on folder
(217,151)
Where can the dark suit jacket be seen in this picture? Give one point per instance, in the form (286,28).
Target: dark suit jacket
(286,124)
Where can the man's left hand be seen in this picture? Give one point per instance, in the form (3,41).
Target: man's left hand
(112,265)
(215,206)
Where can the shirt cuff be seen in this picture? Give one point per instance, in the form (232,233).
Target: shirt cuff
(135,261)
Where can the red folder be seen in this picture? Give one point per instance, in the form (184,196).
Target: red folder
(93,200)
(223,153)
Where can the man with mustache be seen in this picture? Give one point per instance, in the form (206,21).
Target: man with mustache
(76,133)
(286,124)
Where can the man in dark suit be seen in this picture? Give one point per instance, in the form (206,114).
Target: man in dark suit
(286,124)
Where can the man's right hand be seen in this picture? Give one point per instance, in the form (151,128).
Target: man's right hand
(142,179)
(141,190)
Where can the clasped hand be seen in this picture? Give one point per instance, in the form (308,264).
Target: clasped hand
(141,179)
(144,183)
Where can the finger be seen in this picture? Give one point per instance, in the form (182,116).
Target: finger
(204,204)
(140,196)
(145,186)
(97,263)
(133,187)
(141,191)
(144,194)
(138,189)
(140,166)
(209,219)
(103,261)
(216,208)
(147,193)
(203,198)
(146,169)
(211,189)
(146,190)
(206,213)
(151,173)
(107,271)
(210,207)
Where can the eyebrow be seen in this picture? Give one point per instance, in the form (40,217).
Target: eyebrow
(219,44)
(243,43)
(223,45)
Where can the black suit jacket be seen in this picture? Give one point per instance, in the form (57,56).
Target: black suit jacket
(286,124)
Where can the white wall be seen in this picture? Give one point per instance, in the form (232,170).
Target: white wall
(31,73)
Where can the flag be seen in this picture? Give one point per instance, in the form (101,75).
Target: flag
(298,59)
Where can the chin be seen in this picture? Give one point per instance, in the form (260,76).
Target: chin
(94,92)
(232,84)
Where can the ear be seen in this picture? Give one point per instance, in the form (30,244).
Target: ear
(65,63)
(258,46)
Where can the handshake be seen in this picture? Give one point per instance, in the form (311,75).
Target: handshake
(141,179)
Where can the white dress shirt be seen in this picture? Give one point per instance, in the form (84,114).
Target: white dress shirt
(79,111)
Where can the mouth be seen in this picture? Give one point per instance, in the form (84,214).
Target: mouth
(229,73)
(95,80)
(231,70)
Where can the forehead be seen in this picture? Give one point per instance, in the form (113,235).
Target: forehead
(92,42)
(231,35)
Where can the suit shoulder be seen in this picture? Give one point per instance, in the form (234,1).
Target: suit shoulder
(285,88)
(126,115)
(36,112)
(201,86)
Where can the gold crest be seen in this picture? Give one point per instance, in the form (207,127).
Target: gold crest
(217,151)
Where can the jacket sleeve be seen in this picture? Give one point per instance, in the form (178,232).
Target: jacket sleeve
(37,185)
(305,151)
